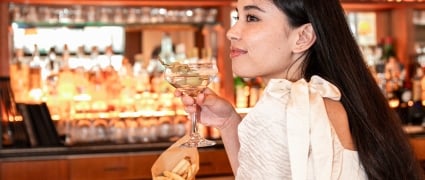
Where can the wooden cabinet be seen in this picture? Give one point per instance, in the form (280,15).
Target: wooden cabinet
(213,162)
(138,165)
(34,169)
(419,147)
(110,166)
(4,40)
(130,165)
(141,165)
(107,167)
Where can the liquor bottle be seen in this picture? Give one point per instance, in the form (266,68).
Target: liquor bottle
(387,48)
(52,64)
(180,52)
(35,70)
(94,57)
(416,110)
(214,133)
(255,90)
(408,94)
(167,53)
(193,54)
(65,57)
(241,92)
(19,73)
(207,56)
(215,84)
(416,113)
(393,89)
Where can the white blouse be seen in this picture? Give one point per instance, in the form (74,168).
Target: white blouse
(287,135)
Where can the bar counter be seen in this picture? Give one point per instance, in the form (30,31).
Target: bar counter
(417,139)
(114,161)
(124,161)
(25,153)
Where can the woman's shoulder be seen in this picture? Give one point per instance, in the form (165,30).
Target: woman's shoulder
(339,120)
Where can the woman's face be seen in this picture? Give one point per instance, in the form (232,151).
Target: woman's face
(262,42)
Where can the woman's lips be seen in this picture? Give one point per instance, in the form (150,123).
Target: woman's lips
(235,52)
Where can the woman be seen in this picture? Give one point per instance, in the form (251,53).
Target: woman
(322,115)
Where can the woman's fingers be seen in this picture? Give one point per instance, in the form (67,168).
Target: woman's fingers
(208,91)
(201,96)
(206,98)
(190,109)
(185,99)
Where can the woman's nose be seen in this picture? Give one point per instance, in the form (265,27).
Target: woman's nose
(233,33)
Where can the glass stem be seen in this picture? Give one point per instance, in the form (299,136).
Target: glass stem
(194,120)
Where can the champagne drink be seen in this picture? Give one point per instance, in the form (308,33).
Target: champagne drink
(191,79)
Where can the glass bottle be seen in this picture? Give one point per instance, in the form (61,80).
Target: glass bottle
(35,70)
(241,92)
(255,90)
(167,53)
(19,73)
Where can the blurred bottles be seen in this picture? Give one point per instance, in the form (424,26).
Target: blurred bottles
(167,52)
(255,90)
(405,96)
(387,47)
(22,12)
(35,74)
(247,91)
(214,133)
(416,112)
(207,56)
(65,57)
(241,92)
(19,67)
(133,97)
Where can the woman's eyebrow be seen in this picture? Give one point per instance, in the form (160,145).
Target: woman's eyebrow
(250,7)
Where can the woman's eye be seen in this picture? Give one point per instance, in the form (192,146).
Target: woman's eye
(235,18)
(251,18)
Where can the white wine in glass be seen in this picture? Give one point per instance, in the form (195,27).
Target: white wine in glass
(191,79)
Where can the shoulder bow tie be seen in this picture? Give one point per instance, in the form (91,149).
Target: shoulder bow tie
(308,126)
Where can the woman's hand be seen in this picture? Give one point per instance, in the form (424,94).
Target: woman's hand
(214,110)
(219,113)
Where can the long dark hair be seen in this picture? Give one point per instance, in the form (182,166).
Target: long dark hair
(383,147)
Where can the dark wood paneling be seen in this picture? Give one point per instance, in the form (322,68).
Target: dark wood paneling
(133,44)
(29,170)
(4,39)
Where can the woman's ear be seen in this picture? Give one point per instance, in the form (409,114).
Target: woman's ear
(306,38)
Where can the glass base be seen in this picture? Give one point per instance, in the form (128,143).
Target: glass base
(197,141)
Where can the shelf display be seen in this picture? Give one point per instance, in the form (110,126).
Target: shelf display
(419,31)
(95,93)
(83,15)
